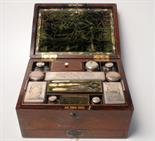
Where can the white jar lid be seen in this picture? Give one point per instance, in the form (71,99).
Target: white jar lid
(36,75)
(52,98)
(109,64)
(113,76)
(91,65)
(40,64)
(96,100)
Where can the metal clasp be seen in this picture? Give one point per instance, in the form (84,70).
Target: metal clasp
(49,56)
(73,133)
(101,57)
(74,115)
(75,4)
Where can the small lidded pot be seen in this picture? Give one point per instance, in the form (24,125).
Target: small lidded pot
(113,76)
(91,66)
(36,75)
(108,66)
(52,99)
(96,100)
(40,66)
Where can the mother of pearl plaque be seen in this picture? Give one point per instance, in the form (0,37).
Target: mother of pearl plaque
(113,93)
(75,76)
(35,92)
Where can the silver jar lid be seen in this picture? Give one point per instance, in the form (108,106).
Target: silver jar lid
(113,76)
(40,64)
(109,65)
(91,65)
(96,100)
(36,75)
(52,98)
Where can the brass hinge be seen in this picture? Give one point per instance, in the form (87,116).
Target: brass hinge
(75,4)
(49,56)
(101,57)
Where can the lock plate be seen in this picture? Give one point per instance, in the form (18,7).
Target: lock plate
(74,133)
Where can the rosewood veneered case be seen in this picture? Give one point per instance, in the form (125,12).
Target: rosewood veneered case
(62,48)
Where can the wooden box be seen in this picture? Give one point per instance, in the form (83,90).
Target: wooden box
(75,86)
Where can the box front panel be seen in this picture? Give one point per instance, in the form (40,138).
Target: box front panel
(69,122)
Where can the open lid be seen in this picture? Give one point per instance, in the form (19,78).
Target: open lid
(75,31)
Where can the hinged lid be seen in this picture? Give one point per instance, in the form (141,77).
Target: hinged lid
(75,31)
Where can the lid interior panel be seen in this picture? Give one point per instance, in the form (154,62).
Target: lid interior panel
(75,31)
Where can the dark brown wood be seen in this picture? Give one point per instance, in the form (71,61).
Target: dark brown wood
(45,120)
(42,122)
(78,121)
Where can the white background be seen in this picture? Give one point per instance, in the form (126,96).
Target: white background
(136,32)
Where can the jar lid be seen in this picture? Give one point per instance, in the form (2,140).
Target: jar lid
(91,65)
(113,76)
(109,65)
(40,64)
(36,75)
(96,100)
(52,98)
